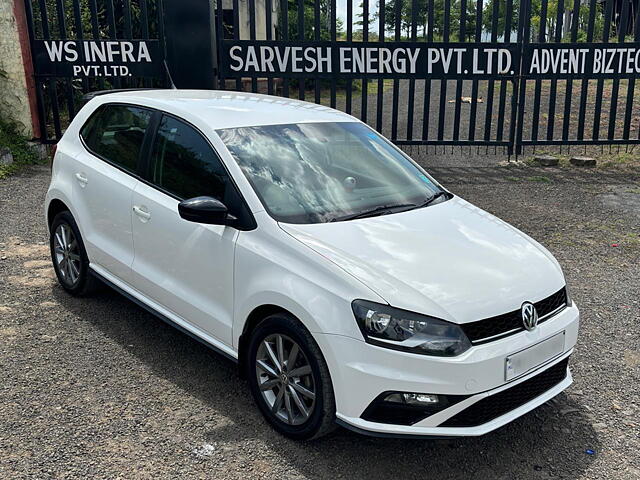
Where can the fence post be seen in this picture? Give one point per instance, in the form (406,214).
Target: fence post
(519,82)
(189,32)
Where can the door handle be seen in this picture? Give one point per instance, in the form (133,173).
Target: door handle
(82,180)
(143,214)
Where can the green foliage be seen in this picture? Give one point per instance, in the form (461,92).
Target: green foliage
(550,20)
(439,24)
(22,153)
(504,20)
(308,12)
(406,15)
(86,27)
(501,24)
(551,23)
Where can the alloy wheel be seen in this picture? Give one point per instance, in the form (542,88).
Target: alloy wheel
(67,254)
(285,379)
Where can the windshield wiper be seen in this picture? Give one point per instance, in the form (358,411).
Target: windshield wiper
(432,199)
(380,210)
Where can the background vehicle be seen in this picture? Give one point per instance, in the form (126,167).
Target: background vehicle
(346,282)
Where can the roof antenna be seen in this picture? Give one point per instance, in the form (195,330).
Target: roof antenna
(166,67)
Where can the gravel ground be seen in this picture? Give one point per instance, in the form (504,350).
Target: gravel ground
(97,388)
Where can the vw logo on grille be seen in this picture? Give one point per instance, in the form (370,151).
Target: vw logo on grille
(529,316)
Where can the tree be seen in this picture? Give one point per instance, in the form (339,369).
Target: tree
(501,24)
(358,34)
(406,16)
(309,20)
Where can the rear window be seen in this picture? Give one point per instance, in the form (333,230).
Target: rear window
(115,133)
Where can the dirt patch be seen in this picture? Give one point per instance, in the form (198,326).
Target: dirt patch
(8,332)
(632,359)
(14,247)
(37,264)
(625,198)
(38,278)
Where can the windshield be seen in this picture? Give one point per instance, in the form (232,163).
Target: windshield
(321,172)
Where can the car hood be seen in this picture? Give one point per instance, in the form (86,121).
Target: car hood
(451,260)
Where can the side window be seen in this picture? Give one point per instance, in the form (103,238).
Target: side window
(115,133)
(184,163)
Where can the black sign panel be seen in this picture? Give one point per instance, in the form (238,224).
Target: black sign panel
(582,60)
(368,59)
(97,58)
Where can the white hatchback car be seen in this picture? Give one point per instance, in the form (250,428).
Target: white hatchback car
(347,283)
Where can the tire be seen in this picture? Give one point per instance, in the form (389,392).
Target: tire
(74,274)
(291,422)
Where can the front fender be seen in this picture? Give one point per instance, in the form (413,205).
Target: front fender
(272,268)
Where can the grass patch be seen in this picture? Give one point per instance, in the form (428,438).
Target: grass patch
(621,158)
(595,234)
(541,179)
(22,152)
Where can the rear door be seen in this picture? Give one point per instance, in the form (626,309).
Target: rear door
(186,267)
(106,173)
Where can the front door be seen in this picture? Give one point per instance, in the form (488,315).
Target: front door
(186,267)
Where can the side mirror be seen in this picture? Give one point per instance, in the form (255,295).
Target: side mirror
(206,210)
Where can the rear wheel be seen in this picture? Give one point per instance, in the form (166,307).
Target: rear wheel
(69,256)
(289,379)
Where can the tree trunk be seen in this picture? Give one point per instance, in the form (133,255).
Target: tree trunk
(566,27)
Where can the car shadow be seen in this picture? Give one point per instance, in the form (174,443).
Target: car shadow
(553,440)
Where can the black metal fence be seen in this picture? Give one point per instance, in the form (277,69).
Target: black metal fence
(67,28)
(515,109)
(504,74)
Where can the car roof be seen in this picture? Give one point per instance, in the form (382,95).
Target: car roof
(227,109)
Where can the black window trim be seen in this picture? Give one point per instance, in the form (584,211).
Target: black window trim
(147,164)
(138,172)
(144,164)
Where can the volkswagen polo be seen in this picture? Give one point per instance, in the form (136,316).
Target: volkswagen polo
(350,286)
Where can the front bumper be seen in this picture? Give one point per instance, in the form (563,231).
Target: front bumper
(361,372)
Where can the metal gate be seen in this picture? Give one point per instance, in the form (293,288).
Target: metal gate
(500,74)
(528,105)
(68,40)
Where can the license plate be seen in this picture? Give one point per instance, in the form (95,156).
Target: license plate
(521,362)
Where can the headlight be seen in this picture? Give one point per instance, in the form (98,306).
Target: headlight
(390,327)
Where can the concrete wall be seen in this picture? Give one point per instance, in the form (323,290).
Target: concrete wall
(14,98)
(243,17)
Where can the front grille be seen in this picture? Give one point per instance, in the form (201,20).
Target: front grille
(501,403)
(510,323)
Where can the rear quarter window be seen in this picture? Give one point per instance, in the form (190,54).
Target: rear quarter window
(115,133)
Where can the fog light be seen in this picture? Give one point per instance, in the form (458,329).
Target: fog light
(407,408)
(413,398)
(420,398)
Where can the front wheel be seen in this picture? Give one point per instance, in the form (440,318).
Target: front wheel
(289,379)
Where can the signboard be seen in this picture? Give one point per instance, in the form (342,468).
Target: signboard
(97,58)
(582,60)
(434,60)
(360,59)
